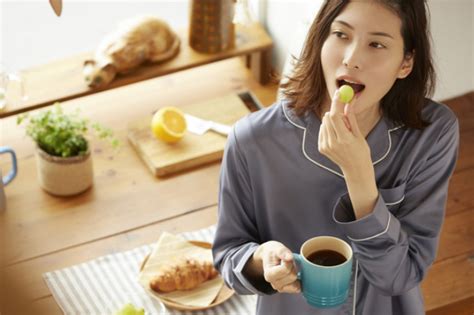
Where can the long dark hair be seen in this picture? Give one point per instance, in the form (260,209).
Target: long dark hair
(306,87)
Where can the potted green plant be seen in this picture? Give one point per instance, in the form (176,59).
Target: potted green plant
(62,149)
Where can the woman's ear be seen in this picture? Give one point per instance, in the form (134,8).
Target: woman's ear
(407,65)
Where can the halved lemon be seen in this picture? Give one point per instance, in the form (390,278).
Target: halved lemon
(169,124)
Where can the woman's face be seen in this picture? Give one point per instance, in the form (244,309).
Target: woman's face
(365,48)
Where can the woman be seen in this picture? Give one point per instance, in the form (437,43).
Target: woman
(373,172)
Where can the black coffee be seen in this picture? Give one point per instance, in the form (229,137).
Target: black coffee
(326,257)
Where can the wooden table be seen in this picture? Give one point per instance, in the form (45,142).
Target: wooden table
(127,206)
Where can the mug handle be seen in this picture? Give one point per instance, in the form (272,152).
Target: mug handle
(11,175)
(298,259)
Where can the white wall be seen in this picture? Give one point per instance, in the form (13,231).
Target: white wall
(452,32)
(453,38)
(287,22)
(31,34)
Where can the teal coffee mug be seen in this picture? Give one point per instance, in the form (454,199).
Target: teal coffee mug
(9,177)
(325,270)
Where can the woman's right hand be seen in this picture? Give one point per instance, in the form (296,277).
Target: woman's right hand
(278,267)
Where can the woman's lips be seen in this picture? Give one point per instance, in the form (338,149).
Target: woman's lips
(357,87)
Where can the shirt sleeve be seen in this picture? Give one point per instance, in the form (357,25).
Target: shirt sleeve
(236,236)
(395,251)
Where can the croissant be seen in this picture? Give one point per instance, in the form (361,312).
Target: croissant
(186,274)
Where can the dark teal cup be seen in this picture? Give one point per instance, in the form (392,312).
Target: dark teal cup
(324,286)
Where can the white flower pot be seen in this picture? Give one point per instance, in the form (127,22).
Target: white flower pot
(64,176)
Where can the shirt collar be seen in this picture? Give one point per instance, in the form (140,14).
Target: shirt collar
(379,139)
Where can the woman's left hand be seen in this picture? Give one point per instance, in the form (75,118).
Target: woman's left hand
(340,138)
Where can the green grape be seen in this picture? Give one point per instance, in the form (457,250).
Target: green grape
(129,309)
(346,93)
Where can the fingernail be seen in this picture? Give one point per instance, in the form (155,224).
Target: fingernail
(288,256)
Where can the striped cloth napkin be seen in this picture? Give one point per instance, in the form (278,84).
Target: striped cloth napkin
(104,285)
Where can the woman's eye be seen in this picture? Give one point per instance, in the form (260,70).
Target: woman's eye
(340,34)
(377,45)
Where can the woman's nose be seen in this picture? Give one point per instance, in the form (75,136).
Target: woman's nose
(352,58)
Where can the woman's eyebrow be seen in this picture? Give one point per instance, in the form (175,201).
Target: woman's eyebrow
(371,33)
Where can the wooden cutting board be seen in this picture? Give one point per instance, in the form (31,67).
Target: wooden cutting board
(193,150)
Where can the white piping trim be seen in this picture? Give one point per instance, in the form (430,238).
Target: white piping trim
(396,202)
(320,165)
(302,146)
(327,168)
(354,298)
(291,121)
(374,236)
(389,144)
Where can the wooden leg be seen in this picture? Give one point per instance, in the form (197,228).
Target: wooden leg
(260,65)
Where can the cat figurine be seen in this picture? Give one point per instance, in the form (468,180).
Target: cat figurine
(139,40)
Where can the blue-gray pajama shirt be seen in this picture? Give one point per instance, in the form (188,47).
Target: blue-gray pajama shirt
(275,185)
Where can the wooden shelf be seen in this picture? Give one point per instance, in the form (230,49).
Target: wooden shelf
(63,80)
